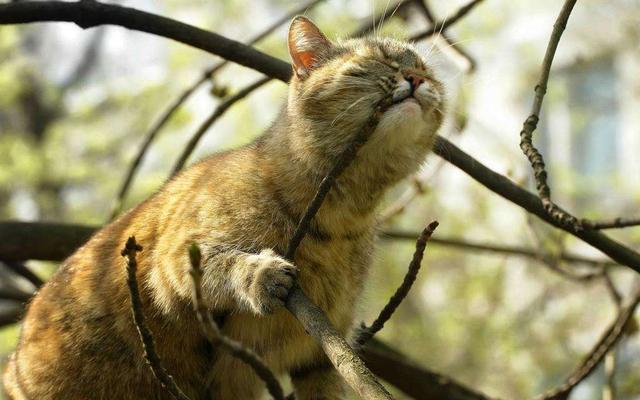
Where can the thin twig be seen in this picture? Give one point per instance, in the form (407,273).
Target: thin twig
(177,103)
(372,22)
(146,338)
(343,161)
(428,14)
(212,332)
(619,222)
(498,248)
(604,345)
(365,333)
(312,318)
(530,124)
(445,24)
(217,113)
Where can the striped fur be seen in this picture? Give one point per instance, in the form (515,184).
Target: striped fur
(78,340)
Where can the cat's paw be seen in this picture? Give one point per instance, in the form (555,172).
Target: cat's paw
(272,280)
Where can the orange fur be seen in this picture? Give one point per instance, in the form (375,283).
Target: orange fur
(78,340)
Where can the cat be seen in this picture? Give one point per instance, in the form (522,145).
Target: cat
(78,340)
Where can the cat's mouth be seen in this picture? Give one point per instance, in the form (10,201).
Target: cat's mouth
(407,99)
(401,97)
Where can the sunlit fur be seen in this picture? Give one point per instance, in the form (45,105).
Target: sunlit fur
(78,340)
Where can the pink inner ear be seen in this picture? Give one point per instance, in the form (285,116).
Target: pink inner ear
(307,59)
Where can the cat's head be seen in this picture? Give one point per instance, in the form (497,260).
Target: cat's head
(336,87)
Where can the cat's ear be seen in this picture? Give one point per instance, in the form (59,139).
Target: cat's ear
(307,46)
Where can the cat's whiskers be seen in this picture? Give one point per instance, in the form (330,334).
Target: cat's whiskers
(365,97)
(437,37)
(381,22)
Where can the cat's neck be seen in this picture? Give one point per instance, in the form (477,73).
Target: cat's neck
(296,174)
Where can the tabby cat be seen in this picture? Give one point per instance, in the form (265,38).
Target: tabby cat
(78,340)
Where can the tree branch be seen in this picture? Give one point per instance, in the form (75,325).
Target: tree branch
(413,380)
(10,317)
(607,341)
(217,113)
(212,332)
(530,124)
(444,24)
(365,333)
(90,13)
(22,270)
(173,107)
(523,198)
(315,322)
(520,251)
(151,356)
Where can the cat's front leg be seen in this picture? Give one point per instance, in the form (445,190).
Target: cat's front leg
(259,283)
(318,381)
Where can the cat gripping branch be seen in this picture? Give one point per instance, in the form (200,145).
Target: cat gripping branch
(241,207)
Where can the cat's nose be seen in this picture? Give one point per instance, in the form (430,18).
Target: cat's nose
(414,80)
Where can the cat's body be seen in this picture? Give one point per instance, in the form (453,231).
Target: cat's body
(78,339)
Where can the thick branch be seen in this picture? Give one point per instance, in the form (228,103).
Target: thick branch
(413,380)
(41,240)
(90,13)
(512,192)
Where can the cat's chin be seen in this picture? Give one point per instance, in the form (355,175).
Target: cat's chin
(409,106)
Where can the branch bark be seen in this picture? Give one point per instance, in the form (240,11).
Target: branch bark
(90,13)
(365,333)
(315,322)
(530,124)
(146,338)
(528,201)
(244,55)
(413,380)
(212,332)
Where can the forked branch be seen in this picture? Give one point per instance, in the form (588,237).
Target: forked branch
(530,124)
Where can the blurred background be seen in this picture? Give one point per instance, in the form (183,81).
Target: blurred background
(75,107)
